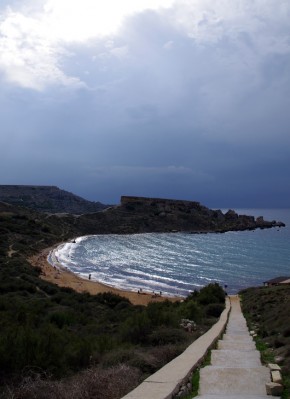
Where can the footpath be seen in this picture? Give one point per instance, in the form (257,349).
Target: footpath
(235,371)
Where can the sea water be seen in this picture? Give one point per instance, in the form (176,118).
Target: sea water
(178,263)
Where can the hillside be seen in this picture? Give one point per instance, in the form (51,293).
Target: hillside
(267,310)
(133,215)
(48,199)
(57,343)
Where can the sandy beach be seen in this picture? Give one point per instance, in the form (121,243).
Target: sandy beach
(65,278)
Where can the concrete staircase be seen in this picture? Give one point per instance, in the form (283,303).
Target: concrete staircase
(236,371)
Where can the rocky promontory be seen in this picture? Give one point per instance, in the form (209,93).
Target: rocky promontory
(143,215)
(132,215)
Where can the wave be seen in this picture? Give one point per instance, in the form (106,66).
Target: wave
(179,263)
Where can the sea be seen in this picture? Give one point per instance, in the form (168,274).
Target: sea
(175,264)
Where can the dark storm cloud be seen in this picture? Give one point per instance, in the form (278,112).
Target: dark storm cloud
(197,109)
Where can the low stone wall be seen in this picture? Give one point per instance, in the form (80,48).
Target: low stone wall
(166,382)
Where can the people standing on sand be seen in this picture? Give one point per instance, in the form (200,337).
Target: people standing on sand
(226,286)
(90,276)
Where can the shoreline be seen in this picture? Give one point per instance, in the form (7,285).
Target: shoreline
(64,278)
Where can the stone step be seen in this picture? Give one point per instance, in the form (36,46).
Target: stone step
(239,346)
(229,358)
(237,319)
(233,381)
(236,371)
(237,330)
(237,337)
(237,326)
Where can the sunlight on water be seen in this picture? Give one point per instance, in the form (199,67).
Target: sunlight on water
(179,263)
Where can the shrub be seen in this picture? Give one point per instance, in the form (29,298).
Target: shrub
(278,343)
(61,318)
(136,328)
(212,293)
(191,310)
(93,383)
(286,332)
(214,309)
(145,362)
(121,355)
(110,299)
(165,336)
(104,343)
(123,305)
(163,314)
(167,352)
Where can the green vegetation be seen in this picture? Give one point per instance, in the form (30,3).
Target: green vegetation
(267,310)
(49,199)
(56,343)
(196,376)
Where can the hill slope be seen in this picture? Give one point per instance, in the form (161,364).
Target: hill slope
(267,310)
(133,215)
(48,199)
(49,332)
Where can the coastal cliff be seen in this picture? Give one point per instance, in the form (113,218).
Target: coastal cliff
(143,215)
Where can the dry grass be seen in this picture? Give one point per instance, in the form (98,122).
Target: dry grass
(93,383)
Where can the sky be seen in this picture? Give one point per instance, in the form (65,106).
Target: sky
(186,99)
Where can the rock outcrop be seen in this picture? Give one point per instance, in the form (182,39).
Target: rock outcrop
(141,215)
(133,215)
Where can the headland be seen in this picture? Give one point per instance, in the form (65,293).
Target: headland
(147,215)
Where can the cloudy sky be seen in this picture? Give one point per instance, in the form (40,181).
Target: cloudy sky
(185,99)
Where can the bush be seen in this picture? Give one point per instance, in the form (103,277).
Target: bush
(110,299)
(145,362)
(286,332)
(60,318)
(163,313)
(136,328)
(214,309)
(165,336)
(212,293)
(104,343)
(278,343)
(93,383)
(167,352)
(121,355)
(191,310)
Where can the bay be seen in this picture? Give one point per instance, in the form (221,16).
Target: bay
(178,263)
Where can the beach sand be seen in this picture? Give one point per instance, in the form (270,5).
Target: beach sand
(65,278)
